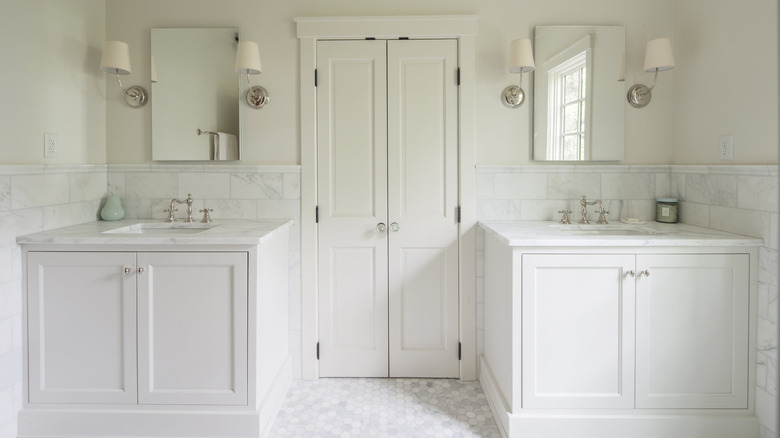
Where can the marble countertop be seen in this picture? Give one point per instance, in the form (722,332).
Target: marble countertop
(547,233)
(157,232)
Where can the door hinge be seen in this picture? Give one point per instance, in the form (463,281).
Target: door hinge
(318,351)
(458,76)
(457,212)
(316,214)
(315,77)
(459,351)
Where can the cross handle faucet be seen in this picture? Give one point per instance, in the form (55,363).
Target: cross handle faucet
(187,201)
(584,203)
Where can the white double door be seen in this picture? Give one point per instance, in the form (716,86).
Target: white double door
(388,206)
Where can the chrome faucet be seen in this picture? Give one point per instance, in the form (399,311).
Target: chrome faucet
(170,210)
(584,203)
(602,214)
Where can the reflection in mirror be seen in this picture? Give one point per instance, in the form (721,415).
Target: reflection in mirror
(578,100)
(195,105)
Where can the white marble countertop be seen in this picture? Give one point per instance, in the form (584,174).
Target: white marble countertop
(548,233)
(157,232)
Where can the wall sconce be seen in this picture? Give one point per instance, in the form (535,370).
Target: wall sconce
(248,61)
(521,60)
(116,60)
(658,57)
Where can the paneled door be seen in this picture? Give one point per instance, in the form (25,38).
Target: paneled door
(387,208)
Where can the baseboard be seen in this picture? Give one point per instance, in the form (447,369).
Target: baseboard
(546,423)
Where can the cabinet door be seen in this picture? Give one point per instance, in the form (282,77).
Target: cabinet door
(577,341)
(192,328)
(692,331)
(81,327)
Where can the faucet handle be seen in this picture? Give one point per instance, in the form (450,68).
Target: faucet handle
(565,217)
(206,218)
(170,218)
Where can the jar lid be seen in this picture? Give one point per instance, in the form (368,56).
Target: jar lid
(670,200)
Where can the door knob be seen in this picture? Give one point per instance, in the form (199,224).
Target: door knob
(394,227)
(381,227)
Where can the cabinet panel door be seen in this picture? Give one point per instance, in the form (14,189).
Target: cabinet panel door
(81,316)
(692,331)
(577,341)
(192,328)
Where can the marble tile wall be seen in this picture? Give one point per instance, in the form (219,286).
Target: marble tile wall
(34,198)
(233,191)
(737,199)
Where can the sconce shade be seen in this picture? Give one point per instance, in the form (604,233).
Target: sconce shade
(116,58)
(621,76)
(658,55)
(521,56)
(248,58)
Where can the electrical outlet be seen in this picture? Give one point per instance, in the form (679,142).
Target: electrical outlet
(726,147)
(50,146)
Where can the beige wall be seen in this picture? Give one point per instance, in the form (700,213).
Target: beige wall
(271,134)
(50,52)
(726,80)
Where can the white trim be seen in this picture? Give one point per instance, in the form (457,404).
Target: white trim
(309,30)
(230,168)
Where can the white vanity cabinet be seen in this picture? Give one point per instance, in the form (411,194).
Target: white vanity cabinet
(634,337)
(134,337)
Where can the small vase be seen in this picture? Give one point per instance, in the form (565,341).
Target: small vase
(113,210)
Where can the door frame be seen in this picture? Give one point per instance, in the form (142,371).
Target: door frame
(461,27)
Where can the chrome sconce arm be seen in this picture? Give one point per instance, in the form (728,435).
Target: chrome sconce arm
(135,96)
(248,62)
(116,60)
(658,57)
(256,95)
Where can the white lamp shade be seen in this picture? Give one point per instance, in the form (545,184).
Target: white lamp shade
(622,68)
(658,55)
(154,71)
(248,58)
(521,56)
(116,58)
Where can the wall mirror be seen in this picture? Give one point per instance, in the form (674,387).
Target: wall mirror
(196,110)
(578,99)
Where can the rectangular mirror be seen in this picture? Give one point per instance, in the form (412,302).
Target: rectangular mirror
(196,112)
(578,100)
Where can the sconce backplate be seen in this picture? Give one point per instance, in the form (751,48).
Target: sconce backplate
(257,97)
(639,96)
(136,96)
(513,97)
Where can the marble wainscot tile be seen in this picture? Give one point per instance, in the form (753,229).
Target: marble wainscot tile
(138,208)
(520,186)
(663,185)
(291,185)
(498,209)
(116,183)
(485,185)
(63,215)
(17,222)
(694,214)
(757,193)
(533,210)
(39,190)
(677,189)
(628,186)
(151,185)
(572,186)
(232,208)
(734,220)
(256,186)
(716,190)
(204,185)
(279,209)
(87,186)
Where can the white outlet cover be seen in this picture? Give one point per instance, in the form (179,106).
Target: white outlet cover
(50,146)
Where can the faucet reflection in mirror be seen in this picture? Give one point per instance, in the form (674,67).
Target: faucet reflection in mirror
(521,60)
(248,61)
(116,60)
(658,57)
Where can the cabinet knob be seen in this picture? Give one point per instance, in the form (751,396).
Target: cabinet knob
(394,226)
(630,273)
(128,270)
(141,270)
(646,273)
(381,227)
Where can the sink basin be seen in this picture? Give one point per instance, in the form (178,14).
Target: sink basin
(605,230)
(162,228)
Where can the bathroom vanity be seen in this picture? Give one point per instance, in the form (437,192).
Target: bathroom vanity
(615,330)
(144,328)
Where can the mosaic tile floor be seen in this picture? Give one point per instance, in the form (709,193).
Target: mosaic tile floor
(357,408)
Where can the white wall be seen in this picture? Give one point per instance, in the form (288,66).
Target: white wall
(50,52)
(271,134)
(726,80)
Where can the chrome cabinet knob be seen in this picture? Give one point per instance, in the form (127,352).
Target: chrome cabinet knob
(394,227)
(646,273)
(141,270)
(630,273)
(128,270)
(381,227)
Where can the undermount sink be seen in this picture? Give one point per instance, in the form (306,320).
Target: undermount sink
(162,228)
(606,230)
